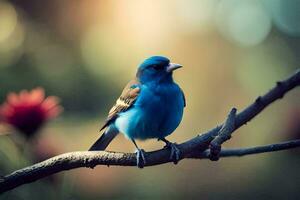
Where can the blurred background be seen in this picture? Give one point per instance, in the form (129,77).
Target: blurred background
(84,52)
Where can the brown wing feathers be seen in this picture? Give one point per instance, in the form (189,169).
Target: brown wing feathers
(125,101)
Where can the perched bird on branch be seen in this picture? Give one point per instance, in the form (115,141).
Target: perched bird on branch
(150,106)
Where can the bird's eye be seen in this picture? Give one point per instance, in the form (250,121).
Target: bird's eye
(157,67)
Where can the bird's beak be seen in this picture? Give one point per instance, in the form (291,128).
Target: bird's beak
(173,66)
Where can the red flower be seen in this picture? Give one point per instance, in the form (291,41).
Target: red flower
(28,111)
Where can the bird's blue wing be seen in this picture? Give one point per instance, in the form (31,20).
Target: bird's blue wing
(124,102)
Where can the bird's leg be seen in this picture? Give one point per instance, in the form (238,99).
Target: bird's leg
(140,155)
(175,152)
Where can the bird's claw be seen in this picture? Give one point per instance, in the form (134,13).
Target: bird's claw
(175,152)
(140,158)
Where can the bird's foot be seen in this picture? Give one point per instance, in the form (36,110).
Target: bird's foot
(175,152)
(140,158)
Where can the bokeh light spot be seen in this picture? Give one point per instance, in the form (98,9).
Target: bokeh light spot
(8,20)
(11,48)
(286,15)
(247,23)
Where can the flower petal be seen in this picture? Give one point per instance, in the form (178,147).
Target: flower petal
(23,96)
(12,98)
(54,112)
(50,102)
(36,96)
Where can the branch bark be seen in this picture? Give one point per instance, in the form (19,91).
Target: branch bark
(223,135)
(254,150)
(196,147)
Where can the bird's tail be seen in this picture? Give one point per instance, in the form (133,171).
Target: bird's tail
(101,144)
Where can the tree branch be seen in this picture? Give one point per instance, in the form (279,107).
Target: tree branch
(193,148)
(254,150)
(223,135)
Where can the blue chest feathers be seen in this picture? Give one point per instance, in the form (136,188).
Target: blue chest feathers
(156,113)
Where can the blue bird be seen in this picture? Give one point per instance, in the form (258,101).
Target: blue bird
(150,106)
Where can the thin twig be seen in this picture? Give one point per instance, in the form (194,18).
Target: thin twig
(255,150)
(223,135)
(190,148)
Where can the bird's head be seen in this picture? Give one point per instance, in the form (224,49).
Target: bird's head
(156,69)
